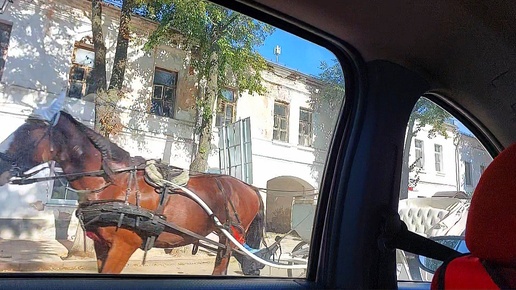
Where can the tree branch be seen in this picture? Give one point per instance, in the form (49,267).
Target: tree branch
(218,31)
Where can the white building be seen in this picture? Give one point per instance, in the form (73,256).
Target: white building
(45,43)
(446,164)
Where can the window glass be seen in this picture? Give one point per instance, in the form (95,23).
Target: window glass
(305,127)
(84,57)
(5,35)
(442,192)
(203,90)
(467,173)
(62,193)
(226,108)
(82,64)
(438,157)
(164,96)
(280,131)
(420,153)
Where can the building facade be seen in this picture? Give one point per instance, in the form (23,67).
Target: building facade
(47,43)
(452,163)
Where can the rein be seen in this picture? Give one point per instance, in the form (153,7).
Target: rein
(101,172)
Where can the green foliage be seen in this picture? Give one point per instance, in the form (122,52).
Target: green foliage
(326,97)
(426,112)
(223,53)
(207,28)
(332,78)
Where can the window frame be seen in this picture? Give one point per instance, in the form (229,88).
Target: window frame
(468,173)
(173,88)
(86,70)
(55,170)
(420,161)
(308,137)
(4,47)
(438,158)
(222,109)
(286,118)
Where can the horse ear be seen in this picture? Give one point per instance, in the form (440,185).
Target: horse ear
(51,113)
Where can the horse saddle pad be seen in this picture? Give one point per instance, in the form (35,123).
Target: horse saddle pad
(156,172)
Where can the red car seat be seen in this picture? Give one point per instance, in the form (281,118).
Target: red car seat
(490,233)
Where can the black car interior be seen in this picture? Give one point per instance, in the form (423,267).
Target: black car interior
(459,54)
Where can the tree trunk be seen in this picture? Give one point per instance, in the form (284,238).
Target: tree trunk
(406,154)
(206,112)
(79,248)
(122,44)
(97,80)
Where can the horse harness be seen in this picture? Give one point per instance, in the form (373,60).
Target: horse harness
(148,224)
(120,213)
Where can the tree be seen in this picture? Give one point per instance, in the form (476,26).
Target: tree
(326,98)
(333,86)
(327,94)
(107,121)
(425,112)
(222,44)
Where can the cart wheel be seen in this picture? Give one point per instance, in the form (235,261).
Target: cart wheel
(300,251)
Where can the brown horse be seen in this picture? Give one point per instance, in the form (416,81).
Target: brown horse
(52,134)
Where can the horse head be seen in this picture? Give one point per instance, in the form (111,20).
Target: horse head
(30,144)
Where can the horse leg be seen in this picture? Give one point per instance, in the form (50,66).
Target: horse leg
(101,251)
(121,250)
(223,256)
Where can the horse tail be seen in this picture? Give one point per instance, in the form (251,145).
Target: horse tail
(256,231)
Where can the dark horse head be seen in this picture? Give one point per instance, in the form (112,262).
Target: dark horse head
(29,145)
(51,134)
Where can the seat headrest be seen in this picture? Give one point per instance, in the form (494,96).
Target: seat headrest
(491,225)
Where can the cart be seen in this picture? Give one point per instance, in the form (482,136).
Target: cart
(302,221)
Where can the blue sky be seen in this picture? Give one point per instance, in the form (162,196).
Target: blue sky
(296,53)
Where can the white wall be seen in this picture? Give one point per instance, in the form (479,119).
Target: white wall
(39,60)
(432,181)
(472,151)
(272,158)
(452,177)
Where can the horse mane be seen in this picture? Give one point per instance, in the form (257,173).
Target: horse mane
(107,148)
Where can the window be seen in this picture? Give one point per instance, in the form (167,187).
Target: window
(438,157)
(482,169)
(305,127)
(420,153)
(226,108)
(61,193)
(5,35)
(164,93)
(444,197)
(467,173)
(160,117)
(82,64)
(280,131)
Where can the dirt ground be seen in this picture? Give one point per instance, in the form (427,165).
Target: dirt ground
(178,266)
(179,262)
